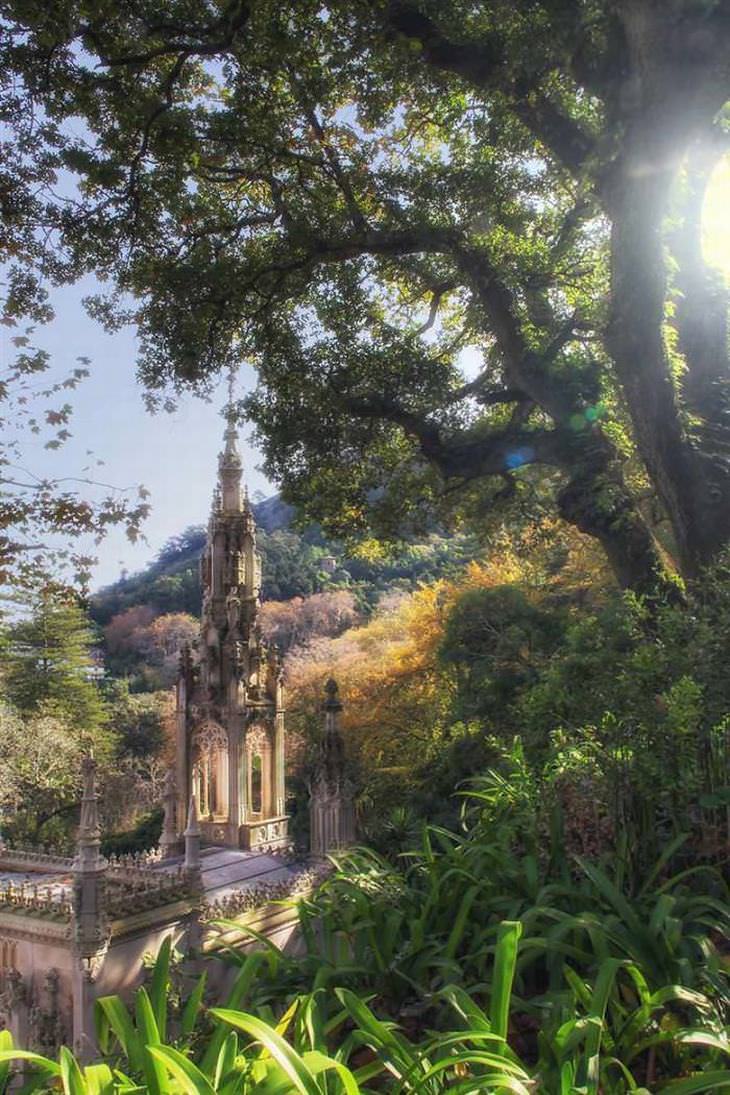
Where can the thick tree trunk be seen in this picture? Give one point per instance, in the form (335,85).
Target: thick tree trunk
(693,486)
(598,502)
(668,97)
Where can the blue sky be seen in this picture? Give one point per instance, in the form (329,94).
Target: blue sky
(173,455)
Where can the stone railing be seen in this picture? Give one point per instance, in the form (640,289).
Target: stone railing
(36,900)
(263,893)
(135,860)
(141,876)
(131,890)
(21,859)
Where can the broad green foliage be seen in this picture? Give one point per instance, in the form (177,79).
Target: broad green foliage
(55,713)
(463,969)
(40,779)
(137,720)
(494,639)
(61,708)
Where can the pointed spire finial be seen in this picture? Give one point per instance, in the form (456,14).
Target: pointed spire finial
(88,840)
(229,461)
(192,838)
(231,385)
(192,828)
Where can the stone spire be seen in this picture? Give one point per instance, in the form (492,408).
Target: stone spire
(230,704)
(333,747)
(331,807)
(88,844)
(230,466)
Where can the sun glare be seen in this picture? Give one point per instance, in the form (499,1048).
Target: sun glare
(716,218)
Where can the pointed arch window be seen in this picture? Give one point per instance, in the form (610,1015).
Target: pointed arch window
(258,764)
(210,770)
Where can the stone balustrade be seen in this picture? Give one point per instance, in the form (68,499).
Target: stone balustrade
(36,900)
(135,860)
(263,893)
(134,890)
(20,859)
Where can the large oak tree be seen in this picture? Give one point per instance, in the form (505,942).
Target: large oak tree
(353,193)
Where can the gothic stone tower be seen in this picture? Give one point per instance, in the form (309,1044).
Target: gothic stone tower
(230,705)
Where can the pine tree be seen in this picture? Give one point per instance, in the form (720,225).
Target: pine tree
(50,668)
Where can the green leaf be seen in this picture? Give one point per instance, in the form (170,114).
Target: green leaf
(460,921)
(191,1079)
(159,986)
(99,1079)
(6,1045)
(112,1016)
(150,1035)
(291,1063)
(701,1081)
(192,1007)
(318,1062)
(241,986)
(505,962)
(599,1002)
(37,1059)
(71,1076)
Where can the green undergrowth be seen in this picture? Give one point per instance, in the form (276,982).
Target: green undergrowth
(466,964)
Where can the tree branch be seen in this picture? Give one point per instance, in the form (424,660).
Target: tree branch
(468,454)
(486,66)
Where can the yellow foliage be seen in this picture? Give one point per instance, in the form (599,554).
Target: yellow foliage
(396,696)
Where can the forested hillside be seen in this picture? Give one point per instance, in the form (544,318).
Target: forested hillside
(295,563)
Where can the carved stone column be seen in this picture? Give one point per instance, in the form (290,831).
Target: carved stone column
(14,1000)
(90,924)
(192,846)
(169,840)
(279,750)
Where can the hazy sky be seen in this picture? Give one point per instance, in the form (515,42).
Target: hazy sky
(173,455)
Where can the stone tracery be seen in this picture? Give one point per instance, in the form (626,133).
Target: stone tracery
(209,752)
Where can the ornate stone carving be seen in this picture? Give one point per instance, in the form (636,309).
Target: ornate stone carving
(331,806)
(239,681)
(13,994)
(257,738)
(45,1017)
(210,735)
(169,838)
(233,610)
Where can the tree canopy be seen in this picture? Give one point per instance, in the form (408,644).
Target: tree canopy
(461,241)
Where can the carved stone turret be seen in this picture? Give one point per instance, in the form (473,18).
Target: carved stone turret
(230,708)
(90,927)
(331,805)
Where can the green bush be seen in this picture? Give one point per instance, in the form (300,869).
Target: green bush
(622,710)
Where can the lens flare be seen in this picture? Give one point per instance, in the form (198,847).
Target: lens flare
(716,218)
